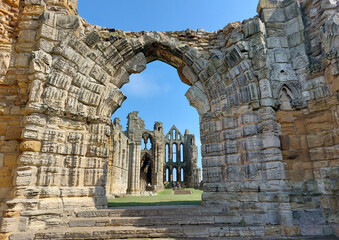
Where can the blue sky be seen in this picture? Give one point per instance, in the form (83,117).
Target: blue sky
(157,93)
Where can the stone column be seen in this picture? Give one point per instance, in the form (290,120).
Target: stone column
(134,173)
(155,171)
(170,173)
(160,169)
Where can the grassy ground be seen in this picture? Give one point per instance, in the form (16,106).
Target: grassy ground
(162,198)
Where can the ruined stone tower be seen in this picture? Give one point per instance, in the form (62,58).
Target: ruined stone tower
(181,157)
(133,169)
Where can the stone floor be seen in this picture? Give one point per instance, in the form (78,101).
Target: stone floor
(161,222)
(252,238)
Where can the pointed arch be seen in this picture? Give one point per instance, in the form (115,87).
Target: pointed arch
(286,97)
(174,152)
(288,94)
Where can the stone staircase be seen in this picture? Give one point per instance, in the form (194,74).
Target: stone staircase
(176,222)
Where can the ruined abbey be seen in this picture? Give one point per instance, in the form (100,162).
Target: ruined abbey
(266,90)
(134,170)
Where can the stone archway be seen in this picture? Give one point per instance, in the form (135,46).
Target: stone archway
(76,88)
(146,170)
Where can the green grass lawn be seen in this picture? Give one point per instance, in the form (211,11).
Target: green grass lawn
(162,198)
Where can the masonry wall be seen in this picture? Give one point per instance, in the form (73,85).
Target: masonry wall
(309,139)
(13,96)
(186,158)
(191,156)
(118,164)
(122,170)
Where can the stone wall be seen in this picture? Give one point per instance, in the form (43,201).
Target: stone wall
(184,157)
(193,172)
(266,91)
(13,86)
(118,162)
(309,135)
(132,164)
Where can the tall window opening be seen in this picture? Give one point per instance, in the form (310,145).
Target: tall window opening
(148,144)
(175,175)
(166,153)
(143,144)
(181,152)
(174,153)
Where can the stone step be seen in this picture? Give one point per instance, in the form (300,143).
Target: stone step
(216,231)
(123,232)
(246,238)
(154,220)
(181,210)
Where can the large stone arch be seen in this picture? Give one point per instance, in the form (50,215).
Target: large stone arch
(157,46)
(74,89)
(75,80)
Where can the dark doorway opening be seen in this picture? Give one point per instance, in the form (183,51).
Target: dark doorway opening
(146,171)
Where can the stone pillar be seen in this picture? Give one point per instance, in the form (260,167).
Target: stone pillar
(160,169)
(155,165)
(158,172)
(134,173)
(170,173)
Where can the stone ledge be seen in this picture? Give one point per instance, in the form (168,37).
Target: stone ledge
(182,192)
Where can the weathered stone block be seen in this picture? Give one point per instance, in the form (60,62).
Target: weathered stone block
(60,80)
(311,230)
(252,143)
(292,11)
(10,160)
(199,65)
(82,223)
(233,57)
(92,39)
(13,133)
(136,64)
(255,218)
(34,146)
(47,32)
(295,39)
(264,4)
(294,26)
(189,74)
(276,174)
(254,26)
(277,42)
(265,88)
(273,15)
(22,60)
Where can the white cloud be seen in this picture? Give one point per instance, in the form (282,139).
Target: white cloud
(142,86)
